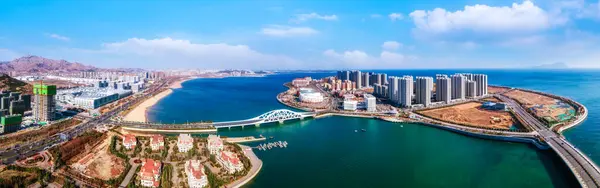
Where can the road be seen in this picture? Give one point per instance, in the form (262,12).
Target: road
(24,150)
(131,172)
(584,169)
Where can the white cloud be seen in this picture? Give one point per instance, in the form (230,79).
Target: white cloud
(305,17)
(391,45)
(396,16)
(287,31)
(518,18)
(174,53)
(360,59)
(59,37)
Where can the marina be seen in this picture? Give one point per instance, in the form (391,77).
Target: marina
(272,145)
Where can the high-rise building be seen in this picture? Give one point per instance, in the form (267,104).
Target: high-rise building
(27,100)
(44,103)
(384,79)
(443,90)
(468,76)
(482,84)
(458,86)
(406,91)
(378,79)
(357,75)
(471,90)
(424,88)
(370,103)
(365,79)
(393,89)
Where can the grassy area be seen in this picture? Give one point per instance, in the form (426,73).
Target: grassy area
(15,176)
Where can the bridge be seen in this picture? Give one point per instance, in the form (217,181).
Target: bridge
(584,169)
(279,116)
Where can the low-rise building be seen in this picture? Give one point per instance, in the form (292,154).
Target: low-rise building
(230,161)
(350,105)
(493,106)
(129,141)
(150,173)
(215,144)
(370,103)
(301,82)
(185,142)
(310,96)
(195,173)
(157,142)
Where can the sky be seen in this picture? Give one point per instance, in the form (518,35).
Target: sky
(307,34)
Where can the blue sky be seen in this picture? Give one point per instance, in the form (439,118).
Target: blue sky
(335,34)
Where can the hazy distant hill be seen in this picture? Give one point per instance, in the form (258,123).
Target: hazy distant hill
(36,64)
(557,65)
(12,84)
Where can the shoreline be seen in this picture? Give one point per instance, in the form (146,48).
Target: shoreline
(140,112)
(256,167)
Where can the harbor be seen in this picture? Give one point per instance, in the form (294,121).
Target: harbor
(272,145)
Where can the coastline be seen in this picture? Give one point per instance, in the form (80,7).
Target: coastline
(139,113)
(256,166)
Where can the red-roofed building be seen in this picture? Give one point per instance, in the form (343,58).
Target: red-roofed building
(215,144)
(230,161)
(195,173)
(157,142)
(185,142)
(301,82)
(150,173)
(129,141)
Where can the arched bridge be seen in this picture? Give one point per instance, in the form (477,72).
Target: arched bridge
(280,116)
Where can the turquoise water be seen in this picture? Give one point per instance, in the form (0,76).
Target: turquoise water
(328,153)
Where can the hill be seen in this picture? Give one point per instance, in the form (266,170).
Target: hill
(557,65)
(36,64)
(12,84)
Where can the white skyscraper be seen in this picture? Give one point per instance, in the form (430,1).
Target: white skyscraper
(482,84)
(458,86)
(393,89)
(424,88)
(443,89)
(471,90)
(406,91)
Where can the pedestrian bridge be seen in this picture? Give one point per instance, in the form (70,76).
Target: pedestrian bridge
(279,116)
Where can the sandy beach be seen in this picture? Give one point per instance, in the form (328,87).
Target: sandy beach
(139,112)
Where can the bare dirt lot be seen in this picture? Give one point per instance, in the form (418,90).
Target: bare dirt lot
(472,115)
(100,163)
(548,108)
(494,90)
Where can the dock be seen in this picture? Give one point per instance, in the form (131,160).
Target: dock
(244,139)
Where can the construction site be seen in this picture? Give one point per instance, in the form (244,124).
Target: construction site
(98,162)
(472,114)
(496,89)
(547,108)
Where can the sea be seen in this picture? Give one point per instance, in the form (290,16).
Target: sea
(328,152)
